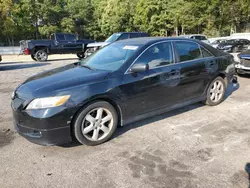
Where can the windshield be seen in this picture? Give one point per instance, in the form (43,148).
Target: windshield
(113,37)
(229,41)
(110,57)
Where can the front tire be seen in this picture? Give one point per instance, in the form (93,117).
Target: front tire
(216,92)
(80,55)
(96,123)
(41,55)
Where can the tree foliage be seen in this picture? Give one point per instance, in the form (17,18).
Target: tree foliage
(96,19)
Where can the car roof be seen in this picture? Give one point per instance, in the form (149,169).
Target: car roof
(130,32)
(148,40)
(190,35)
(151,40)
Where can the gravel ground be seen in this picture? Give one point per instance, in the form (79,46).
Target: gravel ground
(196,146)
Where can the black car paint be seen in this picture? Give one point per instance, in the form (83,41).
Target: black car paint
(134,95)
(55,46)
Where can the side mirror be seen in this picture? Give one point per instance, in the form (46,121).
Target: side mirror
(139,67)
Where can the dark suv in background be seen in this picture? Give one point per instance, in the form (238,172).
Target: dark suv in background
(92,47)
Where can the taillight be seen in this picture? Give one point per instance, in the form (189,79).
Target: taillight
(26,51)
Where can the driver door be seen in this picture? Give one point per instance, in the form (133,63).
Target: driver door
(155,88)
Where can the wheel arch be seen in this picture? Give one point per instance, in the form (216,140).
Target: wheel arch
(36,48)
(106,99)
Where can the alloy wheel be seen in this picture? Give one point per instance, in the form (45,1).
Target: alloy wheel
(97,124)
(216,91)
(41,56)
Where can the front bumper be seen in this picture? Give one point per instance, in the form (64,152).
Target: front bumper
(43,127)
(241,69)
(45,137)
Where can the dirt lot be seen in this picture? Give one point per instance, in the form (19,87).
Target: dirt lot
(196,146)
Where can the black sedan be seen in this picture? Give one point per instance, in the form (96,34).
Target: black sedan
(123,82)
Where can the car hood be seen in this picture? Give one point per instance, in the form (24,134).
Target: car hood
(59,79)
(97,44)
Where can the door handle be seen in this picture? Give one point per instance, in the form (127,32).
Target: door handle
(212,63)
(173,72)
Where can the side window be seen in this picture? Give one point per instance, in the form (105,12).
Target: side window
(205,53)
(124,36)
(187,50)
(134,35)
(144,35)
(70,37)
(60,37)
(157,55)
(197,37)
(203,38)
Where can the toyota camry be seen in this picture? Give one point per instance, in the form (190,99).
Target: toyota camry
(124,82)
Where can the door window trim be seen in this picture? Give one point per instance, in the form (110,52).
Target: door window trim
(173,55)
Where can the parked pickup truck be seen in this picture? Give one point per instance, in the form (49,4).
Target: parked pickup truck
(59,43)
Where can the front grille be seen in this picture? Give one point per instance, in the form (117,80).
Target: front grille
(245,62)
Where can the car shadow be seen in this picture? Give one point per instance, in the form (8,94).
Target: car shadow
(245,75)
(232,87)
(21,66)
(123,129)
(247,169)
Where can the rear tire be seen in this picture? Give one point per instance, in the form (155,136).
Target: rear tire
(96,123)
(216,91)
(41,55)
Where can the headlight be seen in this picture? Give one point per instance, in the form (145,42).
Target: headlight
(47,102)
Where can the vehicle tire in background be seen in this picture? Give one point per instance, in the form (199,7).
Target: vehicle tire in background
(33,56)
(216,91)
(41,55)
(96,123)
(80,55)
(238,72)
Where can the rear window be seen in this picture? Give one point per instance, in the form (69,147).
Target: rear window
(187,50)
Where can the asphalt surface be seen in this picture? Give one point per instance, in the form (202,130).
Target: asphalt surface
(196,146)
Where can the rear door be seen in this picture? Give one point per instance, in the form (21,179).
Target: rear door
(60,44)
(193,69)
(73,46)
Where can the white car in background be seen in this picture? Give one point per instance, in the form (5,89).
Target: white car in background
(202,38)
